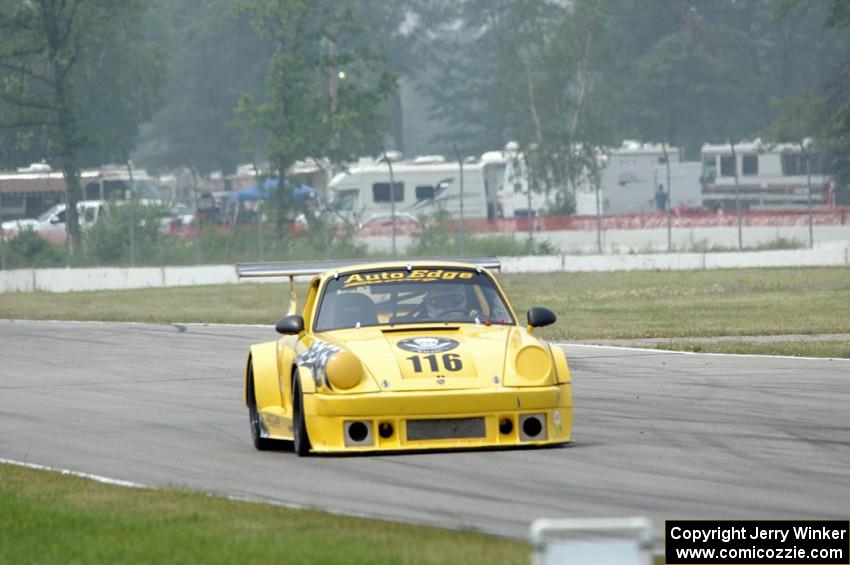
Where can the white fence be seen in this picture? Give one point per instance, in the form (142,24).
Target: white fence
(65,280)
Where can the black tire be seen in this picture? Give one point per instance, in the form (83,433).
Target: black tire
(300,439)
(260,442)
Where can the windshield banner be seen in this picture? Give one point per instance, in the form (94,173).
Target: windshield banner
(423,275)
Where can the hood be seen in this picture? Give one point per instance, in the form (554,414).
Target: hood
(16,225)
(439,357)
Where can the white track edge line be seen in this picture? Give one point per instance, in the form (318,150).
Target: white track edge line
(664,351)
(90,476)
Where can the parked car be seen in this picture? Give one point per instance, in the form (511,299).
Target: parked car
(179,216)
(51,224)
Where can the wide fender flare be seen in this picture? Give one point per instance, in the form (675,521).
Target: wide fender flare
(266,379)
(559,359)
(308,383)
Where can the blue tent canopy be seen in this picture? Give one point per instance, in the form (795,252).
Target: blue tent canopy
(254,193)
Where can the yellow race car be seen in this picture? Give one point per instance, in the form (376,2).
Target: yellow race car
(404,355)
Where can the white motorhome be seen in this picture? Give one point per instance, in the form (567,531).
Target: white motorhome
(421,185)
(634,172)
(769,176)
(629,179)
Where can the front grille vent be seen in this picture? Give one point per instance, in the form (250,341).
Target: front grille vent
(450,428)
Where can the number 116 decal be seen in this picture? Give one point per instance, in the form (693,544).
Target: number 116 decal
(450,361)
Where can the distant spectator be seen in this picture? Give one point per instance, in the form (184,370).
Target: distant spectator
(661,199)
(830,193)
(207,209)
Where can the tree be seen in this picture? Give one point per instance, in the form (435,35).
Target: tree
(681,95)
(76,76)
(709,70)
(823,113)
(568,97)
(532,71)
(215,56)
(324,89)
(835,116)
(396,34)
(469,45)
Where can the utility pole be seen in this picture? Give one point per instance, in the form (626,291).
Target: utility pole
(67,226)
(598,221)
(2,255)
(333,77)
(392,200)
(737,194)
(196,219)
(462,231)
(599,163)
(809,181)
(261,187)
(132,215)
(669,201)
(526,172)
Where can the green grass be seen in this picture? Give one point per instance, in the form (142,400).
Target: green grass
(689,303)
(589,305)
(52,518)
(834,349)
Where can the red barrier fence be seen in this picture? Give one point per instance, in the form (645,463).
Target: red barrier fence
(837,216)
(690,219)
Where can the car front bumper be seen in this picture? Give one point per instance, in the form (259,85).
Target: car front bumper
(391,421)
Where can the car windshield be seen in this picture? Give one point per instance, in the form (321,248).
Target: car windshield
(401,296)
(50,211)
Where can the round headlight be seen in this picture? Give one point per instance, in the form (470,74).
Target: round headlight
(344,370)
(533,363)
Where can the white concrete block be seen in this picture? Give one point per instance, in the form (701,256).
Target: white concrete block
(532,264)
(18,280)
(69,280)
(200,275)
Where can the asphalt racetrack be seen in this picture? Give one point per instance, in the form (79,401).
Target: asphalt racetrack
(658,434)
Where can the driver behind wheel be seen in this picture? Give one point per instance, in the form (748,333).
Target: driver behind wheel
(443,300)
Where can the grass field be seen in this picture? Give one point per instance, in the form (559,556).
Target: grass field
(638,304)
(52,518)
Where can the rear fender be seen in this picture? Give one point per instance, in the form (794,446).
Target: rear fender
(286,361)
(266,379)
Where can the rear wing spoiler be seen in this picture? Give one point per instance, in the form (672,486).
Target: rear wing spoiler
(294,269)
(305,268)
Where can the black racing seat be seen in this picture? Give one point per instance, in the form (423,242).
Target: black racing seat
(351,308)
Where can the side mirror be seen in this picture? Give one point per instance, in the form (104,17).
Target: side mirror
(290,325)
(539,317)
(55,220)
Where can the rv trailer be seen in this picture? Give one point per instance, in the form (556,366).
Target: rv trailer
(420,186)
(769,176)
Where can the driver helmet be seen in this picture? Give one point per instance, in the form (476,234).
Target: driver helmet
(445,299)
